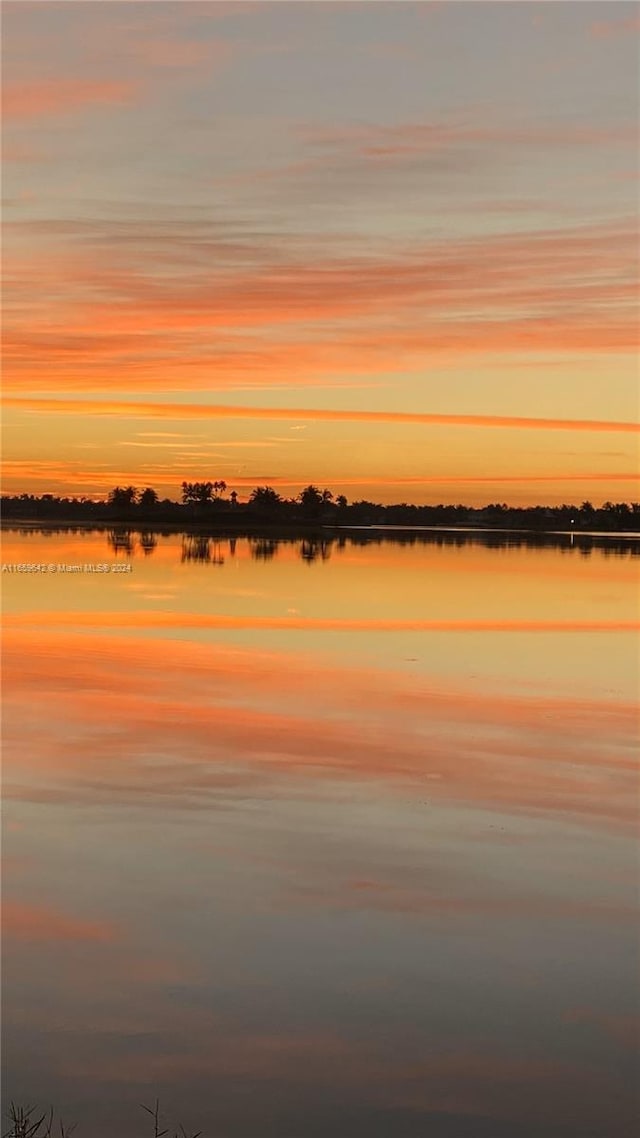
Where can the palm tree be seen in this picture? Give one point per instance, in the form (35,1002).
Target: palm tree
(265,498)
(197,492)
(122,498)
(148,498)
(311,498)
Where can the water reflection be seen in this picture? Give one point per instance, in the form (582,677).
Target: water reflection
(376,884)
(263,548)
(148,542)
(199,547)
(313,549)
(123,539)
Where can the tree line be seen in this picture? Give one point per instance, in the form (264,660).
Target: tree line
(209,501)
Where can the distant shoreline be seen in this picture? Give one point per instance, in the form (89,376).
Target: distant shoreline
(212,506)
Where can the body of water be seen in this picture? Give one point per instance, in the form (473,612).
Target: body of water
(322,837)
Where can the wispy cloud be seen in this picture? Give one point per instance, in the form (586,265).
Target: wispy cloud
(178,411)
(375,140)
(128,303)
(64,96)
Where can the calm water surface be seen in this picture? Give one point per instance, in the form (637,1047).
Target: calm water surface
(322,838)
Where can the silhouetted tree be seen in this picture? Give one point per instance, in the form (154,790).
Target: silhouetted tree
(311,498)
(122,498)
(148,498)
(198,492)
(265,499)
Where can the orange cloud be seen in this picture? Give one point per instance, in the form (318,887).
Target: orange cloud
(63,96)
(178,411)
(112,313)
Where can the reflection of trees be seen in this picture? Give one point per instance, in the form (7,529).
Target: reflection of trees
(199,547)
(196,548)
(124,540)
(263,548)
(312,549)
(121,541)
(148,542)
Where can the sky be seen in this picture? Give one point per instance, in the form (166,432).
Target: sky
(388,248)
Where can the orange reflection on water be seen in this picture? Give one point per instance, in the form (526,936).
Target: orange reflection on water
(303,854)
(27,922)
(131,718)
(448,583)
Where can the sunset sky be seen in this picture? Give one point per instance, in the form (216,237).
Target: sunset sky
(388,248)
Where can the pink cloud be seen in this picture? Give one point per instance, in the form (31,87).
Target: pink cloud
(27,922)
(63,96)
(607,29)
(110,312)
